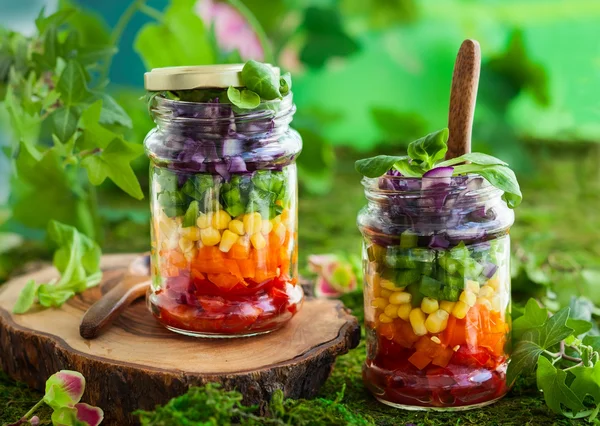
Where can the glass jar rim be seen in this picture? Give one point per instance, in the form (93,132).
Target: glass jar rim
(197,77)
(160,106)
(471,187)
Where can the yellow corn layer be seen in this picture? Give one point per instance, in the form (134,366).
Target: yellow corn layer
(210,236)
(429,305)
(237,227)
(417,321)
(228,239)
(447,306)
(404,311)
(400,297)
(460,309)
(391,311)
(437,321)
(468,297)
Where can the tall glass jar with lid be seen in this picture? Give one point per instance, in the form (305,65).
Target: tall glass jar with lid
(437,291)
(223,202)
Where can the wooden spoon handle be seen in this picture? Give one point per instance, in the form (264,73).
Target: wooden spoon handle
(463,96)
(111,305)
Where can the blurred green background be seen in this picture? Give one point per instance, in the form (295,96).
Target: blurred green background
(369,76)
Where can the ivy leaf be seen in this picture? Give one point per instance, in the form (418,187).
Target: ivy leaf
(56,19)
(64,122)
(111,112)
(114,162)
(579,326)
(26,298)
(587,381)
(72,84)
(551,381)
(244,98)
(533,316)
(534,341)
(261,79)
(64,389)
(94,134)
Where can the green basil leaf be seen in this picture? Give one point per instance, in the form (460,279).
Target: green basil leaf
(429,149)
(26,298)
(499,176)
(285,83)
(245,99)
(376,166)
(407,168)
(261,79)
(475,158)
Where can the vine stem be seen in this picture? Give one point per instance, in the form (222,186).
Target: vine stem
(33,409)
(561,354)
(118,32)
(257,27)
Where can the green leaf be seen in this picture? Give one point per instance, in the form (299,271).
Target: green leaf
(325,37)
(285,83)
(64,389)
(112,112)
(429,149)
(181,35)
(245,98)
(64,122)
(51,296)
(534,341)
(72,84)
(408,168)
(587,382)
(499,176)
(76,258)
(579,326)
(473,157)
(114,162)
(56,19)
(551,382)
(26,298)
(377,166)
(94,135)
(261,79)
(533,316)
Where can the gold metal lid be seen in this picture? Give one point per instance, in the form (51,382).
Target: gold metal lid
(196,77)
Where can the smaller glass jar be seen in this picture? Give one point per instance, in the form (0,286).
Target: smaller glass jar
(223,201)
(437,291)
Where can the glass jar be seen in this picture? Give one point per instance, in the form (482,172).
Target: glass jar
(437,291)
(224,214)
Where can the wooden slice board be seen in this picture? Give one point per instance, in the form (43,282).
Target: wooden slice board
(137,363)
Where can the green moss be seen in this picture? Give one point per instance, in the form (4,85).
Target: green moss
(16,399)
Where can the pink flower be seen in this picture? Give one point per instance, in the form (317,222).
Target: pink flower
(335,275)
(232,31)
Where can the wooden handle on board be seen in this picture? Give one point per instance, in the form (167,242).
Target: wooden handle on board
(112,304)
(463,96)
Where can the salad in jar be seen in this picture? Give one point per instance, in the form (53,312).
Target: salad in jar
(223,190)
(436,261)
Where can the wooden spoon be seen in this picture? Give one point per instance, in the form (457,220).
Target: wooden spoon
(133,286)
(463,96)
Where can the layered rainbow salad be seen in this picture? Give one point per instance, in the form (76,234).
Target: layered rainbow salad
(224,251)
(437,293)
